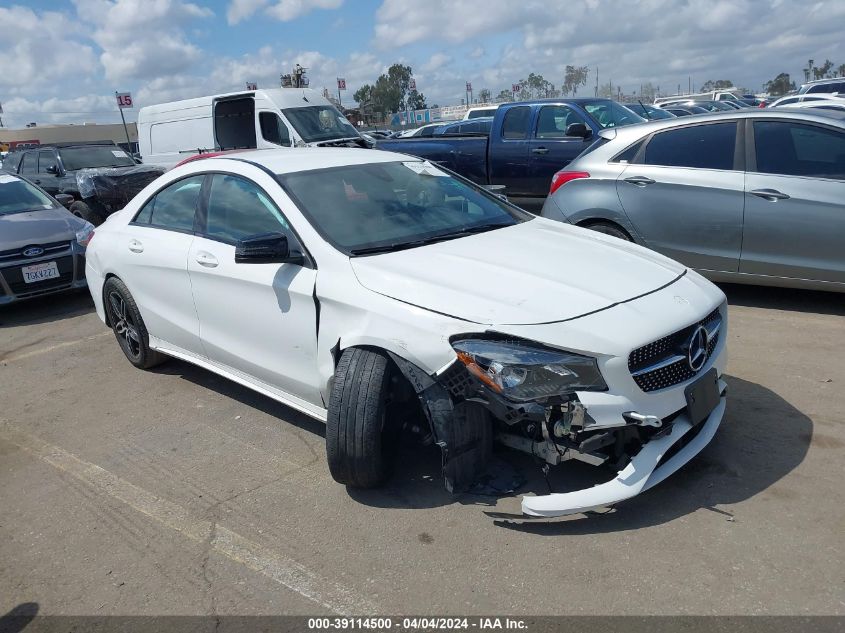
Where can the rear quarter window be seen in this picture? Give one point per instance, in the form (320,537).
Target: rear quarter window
(708,146)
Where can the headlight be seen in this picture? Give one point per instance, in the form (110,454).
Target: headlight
(85,234)
(522,371)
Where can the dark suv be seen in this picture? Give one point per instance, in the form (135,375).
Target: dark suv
(101,177)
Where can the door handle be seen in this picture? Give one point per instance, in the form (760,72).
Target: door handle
(135,246)
(206,259)
(772,195)
(540,150)
(639,181)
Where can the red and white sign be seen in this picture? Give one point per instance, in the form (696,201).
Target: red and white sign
(124,99)
(515,88)
(341,83)
(251,85)
(469,86)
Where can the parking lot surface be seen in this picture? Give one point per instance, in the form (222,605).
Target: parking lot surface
(174,491)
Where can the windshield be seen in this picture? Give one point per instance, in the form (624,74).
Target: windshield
(74,158)
(391,206)
(320,123)
(611,114)
(17,196)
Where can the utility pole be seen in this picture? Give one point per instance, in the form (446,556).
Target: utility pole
(124,101)
(597,81)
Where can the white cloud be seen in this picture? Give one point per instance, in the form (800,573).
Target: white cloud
(40,48)
(143,39)
(282,10)
(437,60)
(242,9)
(477,52)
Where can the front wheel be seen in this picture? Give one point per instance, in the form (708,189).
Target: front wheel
(92,212)
(358,432)
(128,326)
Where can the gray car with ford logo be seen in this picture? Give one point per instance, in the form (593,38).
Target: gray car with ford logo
(42,244)
(749,196)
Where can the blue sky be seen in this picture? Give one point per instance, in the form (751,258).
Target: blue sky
(61,60)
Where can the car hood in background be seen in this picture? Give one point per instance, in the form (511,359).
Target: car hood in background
(535,272)
(37,227)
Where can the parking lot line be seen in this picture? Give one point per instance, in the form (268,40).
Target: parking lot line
(45,350)
(272,564)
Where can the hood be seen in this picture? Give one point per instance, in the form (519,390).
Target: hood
(539,271)
(37,227)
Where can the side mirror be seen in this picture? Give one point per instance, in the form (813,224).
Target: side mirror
(65,199)
(53,169)
(266,248)
(578,129)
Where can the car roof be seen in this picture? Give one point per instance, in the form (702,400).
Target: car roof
(285,161)
(805,114)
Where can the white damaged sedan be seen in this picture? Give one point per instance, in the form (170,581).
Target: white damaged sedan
(382,295)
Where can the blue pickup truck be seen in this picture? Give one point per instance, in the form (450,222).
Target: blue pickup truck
(528,142)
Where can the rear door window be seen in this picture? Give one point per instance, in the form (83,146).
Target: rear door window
(515,124)
(28,165)
(700,146)
(790,148)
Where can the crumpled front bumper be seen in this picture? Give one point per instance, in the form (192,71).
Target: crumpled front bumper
(642,473)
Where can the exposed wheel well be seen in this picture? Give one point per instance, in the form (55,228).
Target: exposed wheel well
(594,221)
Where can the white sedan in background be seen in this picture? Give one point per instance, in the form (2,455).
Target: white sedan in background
(382,295)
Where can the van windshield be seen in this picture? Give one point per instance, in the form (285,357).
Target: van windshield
(320,123)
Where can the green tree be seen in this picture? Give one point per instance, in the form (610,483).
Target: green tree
(820,72)
(536,87)
(780,85)
(574,77)
(391,90)
(416,101)
(841,70)
(606,91)
(484,95)
(504,95)
(719,84)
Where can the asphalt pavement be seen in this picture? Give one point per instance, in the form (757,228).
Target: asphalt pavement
(174,491)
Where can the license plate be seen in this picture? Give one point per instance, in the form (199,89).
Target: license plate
(40,272)
(702,396)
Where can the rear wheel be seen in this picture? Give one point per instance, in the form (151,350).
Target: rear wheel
(360,434)
(128,326)
(609,228)
(90,211)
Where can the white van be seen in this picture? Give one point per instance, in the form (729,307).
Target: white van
(256,119)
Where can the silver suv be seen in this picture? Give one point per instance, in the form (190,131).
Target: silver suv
(752,196)
(42,244)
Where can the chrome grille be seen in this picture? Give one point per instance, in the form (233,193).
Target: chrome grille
(49,249)
(663,363)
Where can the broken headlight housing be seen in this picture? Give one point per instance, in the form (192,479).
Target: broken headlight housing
(523,371)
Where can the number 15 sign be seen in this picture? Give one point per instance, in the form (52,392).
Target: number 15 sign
(124,99)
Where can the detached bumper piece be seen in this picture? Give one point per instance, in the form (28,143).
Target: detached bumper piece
(657,459)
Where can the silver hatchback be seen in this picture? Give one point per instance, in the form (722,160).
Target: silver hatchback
(752,196)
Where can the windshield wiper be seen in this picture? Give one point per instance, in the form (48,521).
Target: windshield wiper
(440,237)
(335,141)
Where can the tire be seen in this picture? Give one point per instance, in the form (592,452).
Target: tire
(91,212)
(128,326)
(609,229)
(360,439)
